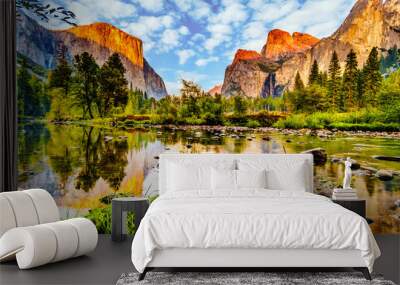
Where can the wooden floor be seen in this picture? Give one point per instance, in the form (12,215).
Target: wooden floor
(110,260)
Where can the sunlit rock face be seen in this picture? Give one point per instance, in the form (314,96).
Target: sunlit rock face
(250,74)
(370,23)
(281,44)
(242,54)
(110,37)
(99,39)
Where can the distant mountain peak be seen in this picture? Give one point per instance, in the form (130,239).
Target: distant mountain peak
(109,36)
(101,40)
(215,90)
(242,54)
(281,43)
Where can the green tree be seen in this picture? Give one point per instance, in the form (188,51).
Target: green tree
(239,105)
(334,83)
(87,75)
(60,77)
(190,91)
(323,79)
(349,84)
(314,76)
(389,97)
(24,89)
(360,100)
(372,78)
(113,85)
(298,82)
(30,93)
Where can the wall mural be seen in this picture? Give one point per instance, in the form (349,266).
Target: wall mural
(105,86)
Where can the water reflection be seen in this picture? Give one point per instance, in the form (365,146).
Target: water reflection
(79,165)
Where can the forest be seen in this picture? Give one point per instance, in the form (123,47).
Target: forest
(366,98)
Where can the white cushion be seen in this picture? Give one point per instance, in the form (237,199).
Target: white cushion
(223,179)
(7,218)
(185,178)
(251,179)
(45,206)
(23,208)
(289,175)
(40,244)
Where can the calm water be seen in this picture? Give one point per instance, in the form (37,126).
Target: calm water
(79,165)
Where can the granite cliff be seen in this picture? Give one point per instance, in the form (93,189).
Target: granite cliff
(370,23)
(99,39)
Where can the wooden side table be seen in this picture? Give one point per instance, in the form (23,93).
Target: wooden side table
(120,207)
(356,205)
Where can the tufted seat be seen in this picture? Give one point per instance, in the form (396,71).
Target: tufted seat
(31,230)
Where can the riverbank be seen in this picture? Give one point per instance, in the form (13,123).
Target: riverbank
(321,133)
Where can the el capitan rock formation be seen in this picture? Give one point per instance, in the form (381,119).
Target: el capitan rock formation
(99,39)
(370,23)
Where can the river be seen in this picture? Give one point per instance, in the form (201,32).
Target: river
(79,165)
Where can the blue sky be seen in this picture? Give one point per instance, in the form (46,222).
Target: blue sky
(196,39)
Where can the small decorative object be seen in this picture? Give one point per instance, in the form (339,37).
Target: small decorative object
(347,174)
(345,193)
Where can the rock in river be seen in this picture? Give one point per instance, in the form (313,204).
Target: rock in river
(387,158)
(354,164)
(319,154)
(384,175)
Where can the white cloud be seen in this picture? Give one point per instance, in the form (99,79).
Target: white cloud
(197,9)
(89,11)
(173,87)
(220,25)
(145,26)
(270,11)
(191,75)
(184,55)
(198,37)
(205,61)
(314,13)
(183,30)
(149,28)
(152,5)
(170,38)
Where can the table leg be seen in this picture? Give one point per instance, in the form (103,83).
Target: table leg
(116,222)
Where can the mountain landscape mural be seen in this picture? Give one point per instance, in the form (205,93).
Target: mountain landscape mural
(105,86)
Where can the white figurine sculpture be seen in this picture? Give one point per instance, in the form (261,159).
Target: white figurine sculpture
(347,174)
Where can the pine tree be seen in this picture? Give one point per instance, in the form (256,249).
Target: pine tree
(61,76)
(360,100)
(349,85)
(298,82)
(314,76)
(372,77)
(87,73)
(113,85)
(334,82)
(323,79)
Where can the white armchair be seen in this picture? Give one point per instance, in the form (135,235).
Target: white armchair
(32,233)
